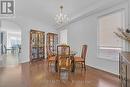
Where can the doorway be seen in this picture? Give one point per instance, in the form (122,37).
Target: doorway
(10,40)
(63,36)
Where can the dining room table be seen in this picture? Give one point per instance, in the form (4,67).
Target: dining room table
(71,56)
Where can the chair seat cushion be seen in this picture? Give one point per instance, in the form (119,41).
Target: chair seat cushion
(52,58)
(64,63)
(78,59)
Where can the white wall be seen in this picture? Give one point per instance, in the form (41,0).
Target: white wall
(85,32)
(10,26)
(0,39)
(0,43)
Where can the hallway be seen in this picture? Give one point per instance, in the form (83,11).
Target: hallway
(9,59)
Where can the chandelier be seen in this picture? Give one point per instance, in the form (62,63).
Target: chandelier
(61,18)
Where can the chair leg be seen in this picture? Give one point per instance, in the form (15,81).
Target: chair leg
(49,63)
(84,66)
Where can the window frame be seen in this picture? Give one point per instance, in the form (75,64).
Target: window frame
(98,32)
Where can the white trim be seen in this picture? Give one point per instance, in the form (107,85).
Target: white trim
(112,12)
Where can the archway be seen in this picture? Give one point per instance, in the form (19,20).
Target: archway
(10,49)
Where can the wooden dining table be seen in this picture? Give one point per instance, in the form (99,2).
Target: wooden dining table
(72,54)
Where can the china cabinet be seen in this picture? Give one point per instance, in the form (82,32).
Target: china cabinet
(51,43)
(37,44)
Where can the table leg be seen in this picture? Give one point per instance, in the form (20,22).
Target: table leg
(73,64)
(56,67)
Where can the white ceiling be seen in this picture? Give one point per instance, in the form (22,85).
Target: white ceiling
(45,10)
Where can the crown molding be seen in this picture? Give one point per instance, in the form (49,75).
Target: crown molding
(93,10)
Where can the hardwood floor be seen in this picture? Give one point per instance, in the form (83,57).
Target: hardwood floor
(38,74)
(9,59)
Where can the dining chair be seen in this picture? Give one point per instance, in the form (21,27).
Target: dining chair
(81,59)
(51,57)
(63,57)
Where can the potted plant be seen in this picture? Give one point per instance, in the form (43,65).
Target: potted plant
(123,34)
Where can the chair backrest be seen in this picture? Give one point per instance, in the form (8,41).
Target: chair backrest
(49,54)
(84,51)
(63,51)
(63,54)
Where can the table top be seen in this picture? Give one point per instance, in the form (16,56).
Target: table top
(71,53)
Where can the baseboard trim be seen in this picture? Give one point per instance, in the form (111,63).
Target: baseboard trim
(115,75)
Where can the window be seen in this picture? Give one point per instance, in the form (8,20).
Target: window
(109,45)
(63,37)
